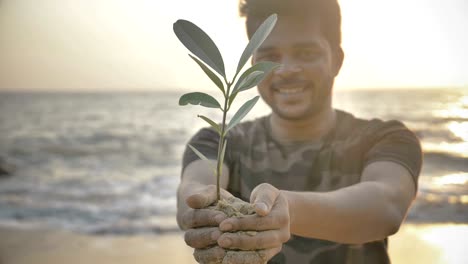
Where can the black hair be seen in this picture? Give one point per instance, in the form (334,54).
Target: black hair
(327,12)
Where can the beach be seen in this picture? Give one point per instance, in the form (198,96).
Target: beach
(414,243)
(42,246)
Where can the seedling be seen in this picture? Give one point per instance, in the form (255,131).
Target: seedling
(208,57)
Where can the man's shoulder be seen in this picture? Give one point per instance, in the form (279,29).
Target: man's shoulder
(349,125)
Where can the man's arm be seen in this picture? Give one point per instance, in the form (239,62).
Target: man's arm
(370,210)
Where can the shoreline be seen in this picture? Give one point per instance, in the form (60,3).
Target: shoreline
(414,243)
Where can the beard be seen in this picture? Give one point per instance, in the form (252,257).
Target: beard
(317,99)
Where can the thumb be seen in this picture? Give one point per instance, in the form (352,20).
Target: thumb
(263,197)
(202,198)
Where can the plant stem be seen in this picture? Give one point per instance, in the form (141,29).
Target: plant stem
(219,165)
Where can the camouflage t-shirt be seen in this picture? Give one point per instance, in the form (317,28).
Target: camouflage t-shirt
(334,162)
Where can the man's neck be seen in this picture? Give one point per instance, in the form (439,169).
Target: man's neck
(310,129)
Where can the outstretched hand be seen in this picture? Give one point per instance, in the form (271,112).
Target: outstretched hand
(201,224)
(270,223)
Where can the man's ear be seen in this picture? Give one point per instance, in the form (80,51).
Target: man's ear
(338,58)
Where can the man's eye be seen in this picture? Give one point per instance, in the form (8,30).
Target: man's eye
(308,54)
(268,57)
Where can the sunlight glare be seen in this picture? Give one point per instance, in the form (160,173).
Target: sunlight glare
(451,239)
(456,178)
(459,129)
(453,112)
(464,101)
(464,199)
(459,149)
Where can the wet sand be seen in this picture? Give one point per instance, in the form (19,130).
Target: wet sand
(414,243)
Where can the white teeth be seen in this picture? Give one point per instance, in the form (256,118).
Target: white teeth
(290,90)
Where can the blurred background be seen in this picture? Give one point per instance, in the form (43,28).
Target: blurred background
(91,134)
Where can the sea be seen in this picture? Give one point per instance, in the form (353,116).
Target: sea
(110,162)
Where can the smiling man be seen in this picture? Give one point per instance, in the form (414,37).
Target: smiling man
(328,187)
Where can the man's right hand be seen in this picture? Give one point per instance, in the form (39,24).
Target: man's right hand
(201,224)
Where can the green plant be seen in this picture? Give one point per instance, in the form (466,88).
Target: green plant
(208,56)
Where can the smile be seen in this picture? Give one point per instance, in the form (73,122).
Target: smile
(290,91)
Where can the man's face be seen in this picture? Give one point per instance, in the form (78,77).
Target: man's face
(301,88)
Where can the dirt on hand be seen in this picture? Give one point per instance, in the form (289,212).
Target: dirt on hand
(233,207)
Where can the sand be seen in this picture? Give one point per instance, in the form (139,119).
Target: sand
(414,243)
(57,247)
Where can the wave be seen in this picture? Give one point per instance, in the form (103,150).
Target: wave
(127,229)
(443,162)
(438,208)
(437,134)
(99,206)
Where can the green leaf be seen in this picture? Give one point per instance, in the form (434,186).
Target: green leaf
(250,81)
(200,44)
(242,112)
(231,98)
(199,154)
(257,39)
(198,98)
(211,122)
(210,74)
(263,66)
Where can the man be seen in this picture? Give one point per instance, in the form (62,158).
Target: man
(328,187)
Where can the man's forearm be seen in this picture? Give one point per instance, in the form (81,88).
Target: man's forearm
(357,214)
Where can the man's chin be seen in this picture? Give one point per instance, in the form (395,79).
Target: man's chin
(293,116)
(298,114)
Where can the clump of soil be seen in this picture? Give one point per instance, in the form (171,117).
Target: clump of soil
(235,207)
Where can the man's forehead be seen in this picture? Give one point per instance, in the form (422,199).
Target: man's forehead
(312,44)
(294,33)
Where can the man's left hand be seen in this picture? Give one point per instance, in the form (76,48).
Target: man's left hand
(270,223)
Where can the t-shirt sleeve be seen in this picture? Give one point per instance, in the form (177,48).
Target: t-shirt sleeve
(394,142)
(206,141)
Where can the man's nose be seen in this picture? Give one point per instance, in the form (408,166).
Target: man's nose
(288,68)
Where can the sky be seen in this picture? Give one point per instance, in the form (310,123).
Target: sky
(107,45)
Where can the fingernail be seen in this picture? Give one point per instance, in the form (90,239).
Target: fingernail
(261,206)
(215,235)
(226,242)
(225,227)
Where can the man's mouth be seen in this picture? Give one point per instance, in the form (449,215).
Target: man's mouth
(290,90)
(292,87)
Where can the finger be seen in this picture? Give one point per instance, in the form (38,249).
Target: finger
(202,218)
(209,255)
(205,197)
(277,219)
(264,197)
(202,237)
(249,241)
(259,256)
